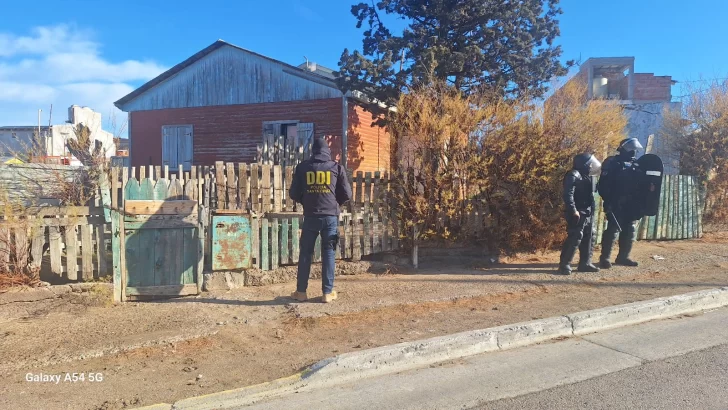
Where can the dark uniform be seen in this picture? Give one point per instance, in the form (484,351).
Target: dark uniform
(320,184)
(579,187)
(617,187)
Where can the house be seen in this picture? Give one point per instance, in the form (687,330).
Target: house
(49,142)
(644,96)
(220,103)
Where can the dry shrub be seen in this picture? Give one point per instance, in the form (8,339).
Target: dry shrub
(431,146)
(509,153)
(83,185)
(523,154)
(15,266)
(699,134)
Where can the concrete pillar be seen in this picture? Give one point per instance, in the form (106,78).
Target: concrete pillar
(630,88)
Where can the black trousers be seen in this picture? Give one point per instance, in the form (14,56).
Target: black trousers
(626,237)
(580,235)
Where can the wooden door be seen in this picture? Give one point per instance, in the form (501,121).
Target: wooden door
(177,146)
(162,240)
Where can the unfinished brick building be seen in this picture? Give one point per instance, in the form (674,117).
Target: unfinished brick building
(644,96)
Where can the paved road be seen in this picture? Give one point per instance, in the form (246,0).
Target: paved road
(696,380)
(671,364)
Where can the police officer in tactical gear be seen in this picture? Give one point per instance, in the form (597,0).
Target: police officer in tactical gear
(579,202)
(618,187)
(320,184)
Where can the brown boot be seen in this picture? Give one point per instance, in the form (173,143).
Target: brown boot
(330,297)
(299,296)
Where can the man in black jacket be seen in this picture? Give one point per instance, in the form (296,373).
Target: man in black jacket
(617,187)
(320,184)
(579,210)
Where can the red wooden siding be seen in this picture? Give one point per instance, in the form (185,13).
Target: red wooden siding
(368,146)
(230,133)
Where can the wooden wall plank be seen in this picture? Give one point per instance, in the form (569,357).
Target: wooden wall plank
(395,226)
(255,188)
(274,243)
(71,253)
(266,194)
(285,253)
(255,229)
(54,238)
(287,187)
(157,207)
(87,253)
(358,191)
(161,263)
(115,186)
(669,209)
(244,186)
(220,185)
(264,245)
(277,188)
(356,251)
(700,192)
(231,186)
(148,256)
(683,208)
(102,267)
(339,245)
(175,190)
(346,235)
(37,241)
(376,195)
(188,192)
(693,207)
(206,187)
(295,238)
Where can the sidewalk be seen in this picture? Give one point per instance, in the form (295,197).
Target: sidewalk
(485,379)
(253,335)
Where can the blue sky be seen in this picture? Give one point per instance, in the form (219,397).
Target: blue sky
(91,53)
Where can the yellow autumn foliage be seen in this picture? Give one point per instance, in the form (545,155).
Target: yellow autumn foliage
(509,156)
(699,135)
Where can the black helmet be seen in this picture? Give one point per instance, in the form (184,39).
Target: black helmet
(629,145)
(587,164)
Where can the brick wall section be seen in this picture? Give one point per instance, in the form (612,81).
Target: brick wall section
(648,87)
(368,147)
(230,132)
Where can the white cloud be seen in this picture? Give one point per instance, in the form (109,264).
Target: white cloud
(62,65)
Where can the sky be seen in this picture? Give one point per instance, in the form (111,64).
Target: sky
(92,53)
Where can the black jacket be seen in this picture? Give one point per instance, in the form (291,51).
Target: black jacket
(320,184)
(578,192)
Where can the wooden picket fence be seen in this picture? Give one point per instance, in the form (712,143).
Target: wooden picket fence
(281,151)
(73,237)
(366,224)
(680,214)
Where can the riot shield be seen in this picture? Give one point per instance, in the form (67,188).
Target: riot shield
(650,183)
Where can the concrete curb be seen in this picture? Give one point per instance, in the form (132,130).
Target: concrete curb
(632,313)
(353,366)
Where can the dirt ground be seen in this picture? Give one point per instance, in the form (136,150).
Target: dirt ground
(164,351)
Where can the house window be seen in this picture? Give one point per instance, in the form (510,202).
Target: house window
(282,139)
(177,146)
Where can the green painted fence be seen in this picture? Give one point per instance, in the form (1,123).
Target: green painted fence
(679,217)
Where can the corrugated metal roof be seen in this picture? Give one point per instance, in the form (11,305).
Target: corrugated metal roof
(229,75)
